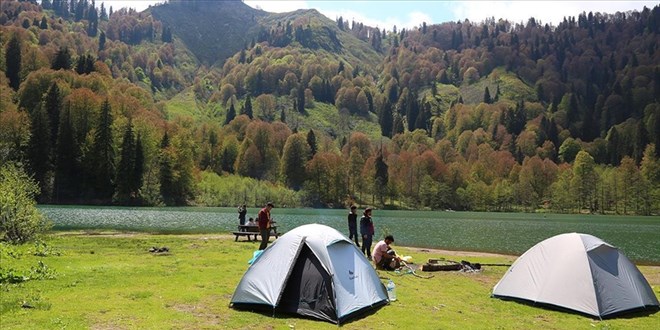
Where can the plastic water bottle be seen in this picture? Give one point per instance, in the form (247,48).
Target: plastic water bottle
(391,291)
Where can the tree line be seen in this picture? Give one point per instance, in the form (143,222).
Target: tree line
(474,126)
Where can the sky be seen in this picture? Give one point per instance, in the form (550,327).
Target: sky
(411,13)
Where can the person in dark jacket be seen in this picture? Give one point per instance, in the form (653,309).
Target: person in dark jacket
(367,232)
(352,226)
(242,211)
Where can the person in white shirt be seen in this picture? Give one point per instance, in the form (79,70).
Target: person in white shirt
(384,257)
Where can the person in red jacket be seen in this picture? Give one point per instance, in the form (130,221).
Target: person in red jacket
(264,221)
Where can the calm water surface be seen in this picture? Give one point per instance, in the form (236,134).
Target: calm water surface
(512,233)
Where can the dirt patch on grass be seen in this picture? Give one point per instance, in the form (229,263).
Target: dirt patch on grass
(652,275)
(106,326)
(203,314)
(462,253)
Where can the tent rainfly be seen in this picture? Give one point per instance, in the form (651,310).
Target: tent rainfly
(579,272)
(312,270)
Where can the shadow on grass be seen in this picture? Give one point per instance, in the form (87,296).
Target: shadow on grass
(627,314)
(276,314)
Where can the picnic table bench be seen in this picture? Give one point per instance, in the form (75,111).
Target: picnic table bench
(249,231)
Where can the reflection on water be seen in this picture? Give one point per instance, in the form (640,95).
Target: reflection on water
(511,233)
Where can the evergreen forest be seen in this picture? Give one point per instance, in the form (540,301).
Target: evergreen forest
(214,103)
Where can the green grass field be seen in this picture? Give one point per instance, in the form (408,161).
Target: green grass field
(95,280)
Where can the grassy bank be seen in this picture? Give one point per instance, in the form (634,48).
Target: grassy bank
(82,280)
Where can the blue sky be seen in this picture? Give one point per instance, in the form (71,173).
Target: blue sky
(408,14)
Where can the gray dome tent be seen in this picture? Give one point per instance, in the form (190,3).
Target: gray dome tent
(312,270)
(579,272)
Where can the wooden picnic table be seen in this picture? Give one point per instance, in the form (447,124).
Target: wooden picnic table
(249,231)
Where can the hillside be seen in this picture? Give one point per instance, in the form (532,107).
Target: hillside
(149,108)
(213,30)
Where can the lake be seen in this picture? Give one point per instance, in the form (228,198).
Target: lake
(509,233)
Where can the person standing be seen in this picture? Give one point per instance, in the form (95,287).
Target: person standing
(242,211)
(264,220)
(367,232)
(352,226)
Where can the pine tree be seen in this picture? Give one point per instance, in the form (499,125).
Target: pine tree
(385,119)
(341,67)
(78,9)
(167,34)
(423,118)
(44,23)
(52,105)
(39,148)
(126,166)
(62,60)
(92,22)
(138,170)
(487,98)
(81,64)
(283,116)
(13,62)
(166,173)
(247,107)
(165,141)
(102,41)
(104,14)
(381,177)
(412,111)
(300,101)
(231,114)
(311,141)
(67,167)
(103,155)
(397,125)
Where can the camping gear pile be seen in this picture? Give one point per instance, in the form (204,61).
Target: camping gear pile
(434,265)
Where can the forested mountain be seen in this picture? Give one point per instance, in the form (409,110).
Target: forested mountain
(214,30)
(216,103)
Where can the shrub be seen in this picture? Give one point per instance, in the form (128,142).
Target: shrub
(20,221)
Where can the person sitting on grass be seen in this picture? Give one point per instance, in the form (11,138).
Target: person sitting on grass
(384,257)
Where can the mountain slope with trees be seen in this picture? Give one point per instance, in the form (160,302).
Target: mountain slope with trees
(123,107)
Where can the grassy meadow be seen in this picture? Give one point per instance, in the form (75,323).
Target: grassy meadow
(110,280)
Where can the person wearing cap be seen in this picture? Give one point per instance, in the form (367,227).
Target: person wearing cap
(352,226)
(367,232)
(384,257)
(264,220)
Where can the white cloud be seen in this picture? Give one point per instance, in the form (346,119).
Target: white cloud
(138,5)
(277,6)
(409,21)
(545,11)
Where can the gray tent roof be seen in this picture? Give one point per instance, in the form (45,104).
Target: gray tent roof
(578,272)
(356,284)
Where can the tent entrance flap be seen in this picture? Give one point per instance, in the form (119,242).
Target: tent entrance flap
(308,290)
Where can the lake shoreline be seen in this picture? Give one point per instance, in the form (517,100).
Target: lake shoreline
(218,236)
